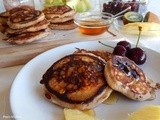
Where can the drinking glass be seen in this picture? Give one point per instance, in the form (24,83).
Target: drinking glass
(9,4)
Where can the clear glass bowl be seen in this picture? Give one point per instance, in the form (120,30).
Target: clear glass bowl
(116,6)
(93,23)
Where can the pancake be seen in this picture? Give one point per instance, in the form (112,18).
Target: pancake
(76,81)
(21,8)
(4,17)
(37,27)
(63,26)
(26,37)
(3,28)
(124,76)
(102,54)
(59,13)
(21,18)
(61,19)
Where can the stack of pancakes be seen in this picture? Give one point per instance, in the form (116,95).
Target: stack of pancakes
(3,21)
(26,25)
(85,79)
(60,17)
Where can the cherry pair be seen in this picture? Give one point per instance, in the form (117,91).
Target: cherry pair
(123,48)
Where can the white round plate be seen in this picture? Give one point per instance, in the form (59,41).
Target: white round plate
(27,100)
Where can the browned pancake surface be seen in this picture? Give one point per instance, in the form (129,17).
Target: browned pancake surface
(125,76)
(64,23)
(3,18)
(76,78)
(103,54)
(27,37)
(24,16)
(57,10)
(37,27)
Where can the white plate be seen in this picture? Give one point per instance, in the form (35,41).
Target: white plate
(28,102)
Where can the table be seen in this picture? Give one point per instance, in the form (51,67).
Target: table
(7,75)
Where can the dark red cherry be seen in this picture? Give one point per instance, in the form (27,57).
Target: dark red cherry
(127,5)
(137,55)
(125,44)
(120,50)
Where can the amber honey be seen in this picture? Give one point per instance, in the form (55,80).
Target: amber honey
(93,23)
(93,31)
(93,27)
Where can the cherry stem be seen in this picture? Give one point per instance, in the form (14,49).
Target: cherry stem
(139,35)
(105,44)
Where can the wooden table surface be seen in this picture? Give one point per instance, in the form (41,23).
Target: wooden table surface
(11,55)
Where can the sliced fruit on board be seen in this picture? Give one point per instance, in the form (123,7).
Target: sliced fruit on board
(131,17)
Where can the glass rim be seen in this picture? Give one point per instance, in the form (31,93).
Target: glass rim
(93,13)
(107,18)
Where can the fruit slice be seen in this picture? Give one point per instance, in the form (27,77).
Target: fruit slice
(81,6)
(131,17)
(148,28)
(53,3)
(88,4)
(74,114)
(146,113)
(72,3)
(113,98)
(143,1)
(151,17)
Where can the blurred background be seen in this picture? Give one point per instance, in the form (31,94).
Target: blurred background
(39,4)
(152,6)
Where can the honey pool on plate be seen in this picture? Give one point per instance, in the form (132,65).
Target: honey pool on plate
(93,23)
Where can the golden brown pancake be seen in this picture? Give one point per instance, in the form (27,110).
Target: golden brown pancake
(63,26)
(34,28)
(27,37)
(4,17)
(76,81)
(124,76)
(23,17)
(102,54)
(58,11)
(59,14)
(21,8)
(3,28)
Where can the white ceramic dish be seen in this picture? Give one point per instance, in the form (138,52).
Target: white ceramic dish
(28,102)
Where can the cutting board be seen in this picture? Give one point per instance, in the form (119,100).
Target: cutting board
(11,55)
